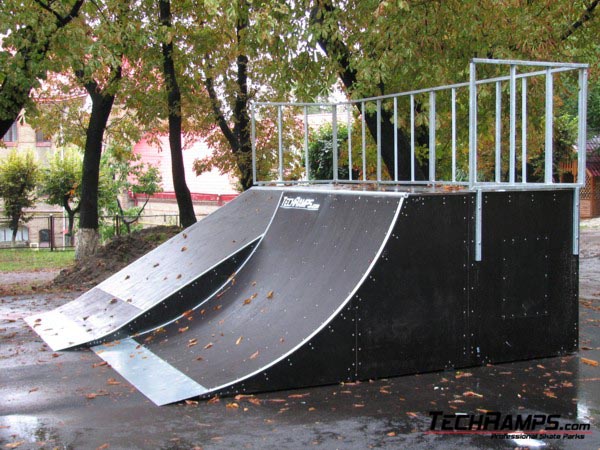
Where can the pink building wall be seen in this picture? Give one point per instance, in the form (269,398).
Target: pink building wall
(209,186)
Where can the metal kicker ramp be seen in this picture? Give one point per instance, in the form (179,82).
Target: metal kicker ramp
(167,281)
(316,253)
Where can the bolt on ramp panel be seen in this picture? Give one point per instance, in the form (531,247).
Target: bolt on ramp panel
(162,284)
(316,253)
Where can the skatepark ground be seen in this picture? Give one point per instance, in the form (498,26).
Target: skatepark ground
(73,400)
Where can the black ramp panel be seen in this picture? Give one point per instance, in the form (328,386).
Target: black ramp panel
(167,281)
(527,297)
(317,251)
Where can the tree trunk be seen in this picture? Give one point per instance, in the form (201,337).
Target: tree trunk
(187,216)
(102,104)
(86,243)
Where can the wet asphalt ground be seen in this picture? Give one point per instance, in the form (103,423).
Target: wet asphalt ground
(72,400)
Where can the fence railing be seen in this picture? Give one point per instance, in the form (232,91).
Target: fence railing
(474,177)
(466,163)
(50,231)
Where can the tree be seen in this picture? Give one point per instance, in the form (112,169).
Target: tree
(61,182)
(124,173)
(378,47)
(27,29)
(182,193)
(18,176)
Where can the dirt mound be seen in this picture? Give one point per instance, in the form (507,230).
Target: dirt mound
(112,257)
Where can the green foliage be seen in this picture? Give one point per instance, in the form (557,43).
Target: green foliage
(123,172)
(320,152)
(19,173)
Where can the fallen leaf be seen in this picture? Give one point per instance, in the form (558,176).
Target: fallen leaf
(156,265)
(270,294)
(589,362)
(192,342)
(113,382)
(391,434)
(184,236)
(184,329)
(218,307)
(209,345)
(254,401)
(127,277)
(191,402)
(188,312)
(178,276)
(412,414)
(14,444)
(114,300)
(549,393)
(103,447)
(232,405)
(359,405)
(239,340)
(199,358)
(55,355)
(184,248)
(215,399)
(247,301)
(298,395)
(93,395)
(472,394)
(463,375)
(254,355)
(100,364)
(312,408)
(33,390)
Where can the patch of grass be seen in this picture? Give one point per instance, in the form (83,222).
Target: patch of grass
(26,260)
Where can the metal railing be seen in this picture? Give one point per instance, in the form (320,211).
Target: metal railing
(473,86)
(525,73)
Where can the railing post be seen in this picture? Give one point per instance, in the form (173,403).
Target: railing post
(335,143)
(432,137)
(472,125)
(524,130)
(349,131)
(582,127)
(280,142)
(253,140)
(396,139)
(378,141)
(453,135)
(364,141)
(548,170)
(513,125)
(306,162)
(412,137)
(498,163)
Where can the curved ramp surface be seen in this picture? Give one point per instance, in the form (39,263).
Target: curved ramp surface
(167,281)
(318,250)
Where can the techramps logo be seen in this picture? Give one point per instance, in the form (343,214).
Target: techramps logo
(299,203)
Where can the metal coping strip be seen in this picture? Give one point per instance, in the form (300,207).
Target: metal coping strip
(142,368)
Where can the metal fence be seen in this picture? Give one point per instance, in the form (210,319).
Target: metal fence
(466,158)
(50,231)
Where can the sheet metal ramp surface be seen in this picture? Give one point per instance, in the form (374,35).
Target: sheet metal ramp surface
(312,259)
(369,285)
(162,284)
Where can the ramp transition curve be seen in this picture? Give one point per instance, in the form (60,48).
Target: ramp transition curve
(167,281)
(316,253)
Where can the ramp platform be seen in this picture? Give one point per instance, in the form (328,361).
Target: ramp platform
(167,281)
(354,285)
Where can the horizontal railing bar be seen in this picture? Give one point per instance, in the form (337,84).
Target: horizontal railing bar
(417,91)
(514,62)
